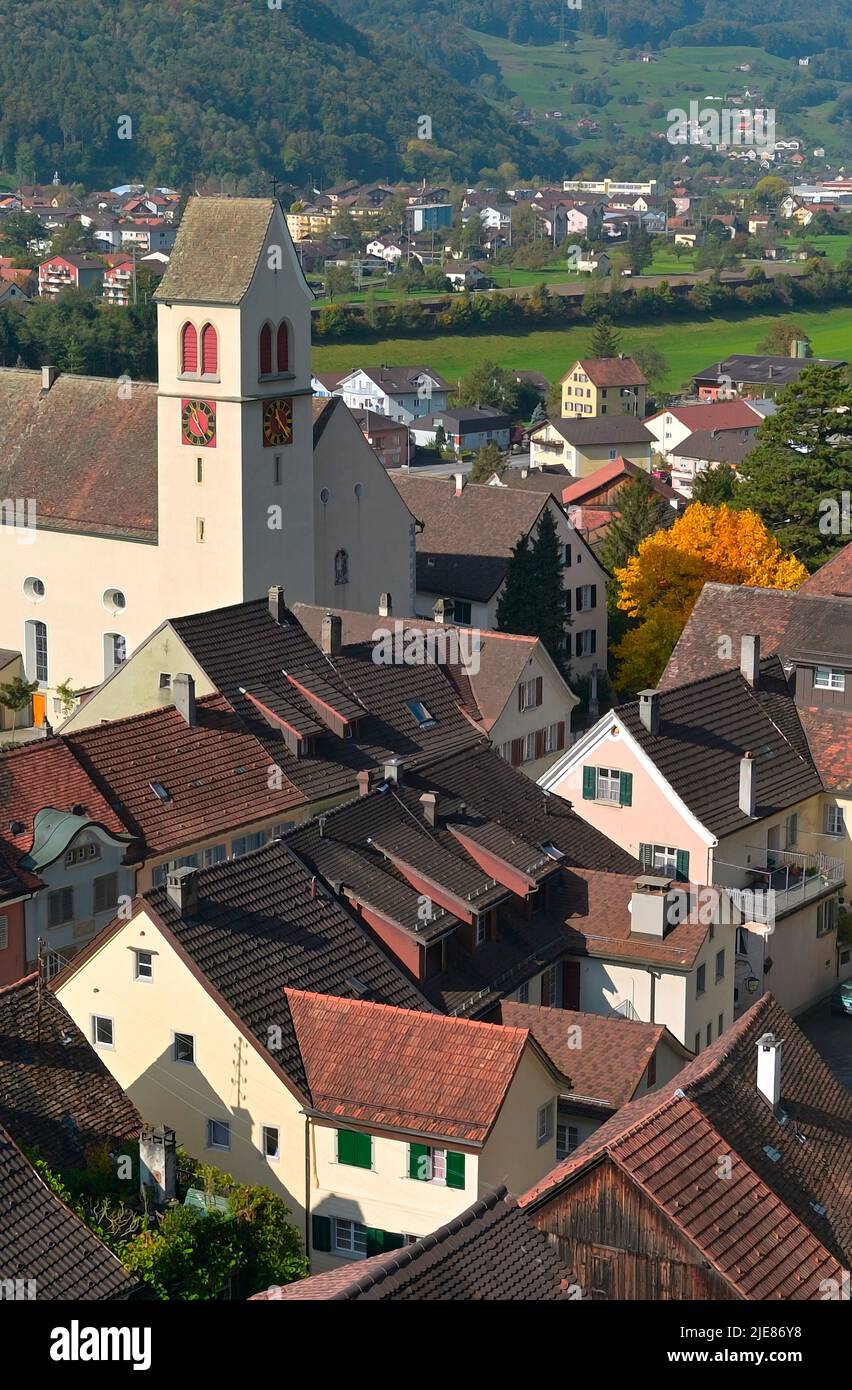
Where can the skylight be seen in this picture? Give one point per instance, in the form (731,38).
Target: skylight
(160,791)
(424,717)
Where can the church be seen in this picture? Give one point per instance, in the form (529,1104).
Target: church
(123,503)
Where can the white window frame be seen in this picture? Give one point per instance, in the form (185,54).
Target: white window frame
(528,696)
(529,747)
(567,1144)
(184,1061)
(607,780)
(138,967)
(585,645)
(829,678)
(834,820)
(271,1129)
(664,857)
(583,598)
(551,738)
(544,1133)
(356,1234)
(224,1124)
(96,1041)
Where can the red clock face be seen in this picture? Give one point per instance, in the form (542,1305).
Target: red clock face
(277,422)
(198,424)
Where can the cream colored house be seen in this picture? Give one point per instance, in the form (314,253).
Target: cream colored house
(127,501)
(311,1093)
(702,785)
(604,386)
(582,446)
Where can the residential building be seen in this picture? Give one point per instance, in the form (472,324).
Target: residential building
(465,429)
(401,393)
(464,546)
(704,450)
(582,446)
(734,1174)
(672,426)
(464,275)
(756,375)
(75,270)
(604,386)
(712,782)
(430,217)
(388,438)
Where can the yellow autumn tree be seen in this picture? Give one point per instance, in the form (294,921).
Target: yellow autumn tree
(659,585)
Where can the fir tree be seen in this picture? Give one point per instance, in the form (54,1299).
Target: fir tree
(531,603)
(539,415)
(716,486)
(606,340)
(641,511)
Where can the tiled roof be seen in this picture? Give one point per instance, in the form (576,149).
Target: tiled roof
(263,926)
(713,415)
(745,367)
(706,727)
(56,1095)
(602,479)
(729,446)
(829,735)
(608,1064)
(600,429)
(43,1240)
(400,380)
(819,629)
(216,251)
(490,1252)
(782,1222)
(86,450)
(834,577)
(611,371)
(47,774)
(734,610)
(400,1069)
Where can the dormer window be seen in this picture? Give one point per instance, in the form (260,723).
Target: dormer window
(829,678)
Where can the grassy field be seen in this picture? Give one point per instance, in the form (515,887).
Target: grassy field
(687,346)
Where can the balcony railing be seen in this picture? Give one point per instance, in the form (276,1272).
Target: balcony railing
(786,881)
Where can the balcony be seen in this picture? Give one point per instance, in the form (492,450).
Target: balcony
(785,881)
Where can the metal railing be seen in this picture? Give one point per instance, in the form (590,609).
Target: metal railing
(789,879)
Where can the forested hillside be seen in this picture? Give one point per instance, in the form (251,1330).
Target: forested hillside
(238,90)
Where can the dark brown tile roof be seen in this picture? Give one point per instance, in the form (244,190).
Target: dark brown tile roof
(216,251)
(35,776)
(829,735)
(86,451)
(611,371)
(263,925)
(728,446)
(490,1252)
(706,727)
(42,1239)
(726,610)
(611,1060)
(401,380)
(834,577)
(601,429)
(56,1094)
(819,630)
(783,1221)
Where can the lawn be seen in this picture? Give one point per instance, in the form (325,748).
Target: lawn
(687,346)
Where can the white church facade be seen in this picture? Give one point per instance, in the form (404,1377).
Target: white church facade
(123,503)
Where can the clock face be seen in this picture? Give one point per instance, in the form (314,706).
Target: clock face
(277,423)
(198,424)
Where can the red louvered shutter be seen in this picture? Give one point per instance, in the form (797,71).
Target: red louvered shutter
(517,752)
(283,347)
(266,350)
(560,734)
(540,743)
(209,350)
(189,349)
(539,684)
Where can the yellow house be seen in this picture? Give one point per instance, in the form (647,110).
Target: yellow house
(604,386)
(191,1003)
(583,445)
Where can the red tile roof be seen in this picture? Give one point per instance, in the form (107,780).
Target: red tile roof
(34,776)
(395,1068)
(607,474)
(829,735)
(611,371)
(834,577)
(714,415)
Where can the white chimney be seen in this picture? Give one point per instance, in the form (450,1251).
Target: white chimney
(429,802)
(747,784)
(48,376)
(656,906)
(277,606)
(460,482)
(443,610)
(393,770)
(769,1067)
(332,633)
(158,1164)
(183,694)
(182,890)
(385,606)
(649,710)
(750,659)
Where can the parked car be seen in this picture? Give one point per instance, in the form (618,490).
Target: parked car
(841,997)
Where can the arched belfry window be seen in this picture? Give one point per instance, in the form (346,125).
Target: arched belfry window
(188,349)
(283,346)
(209,350)
(341,567)
(265,351)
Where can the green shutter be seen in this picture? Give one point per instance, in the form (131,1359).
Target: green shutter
(354,1149)
(455,1169)
(379,1241)
(590,783)
(625,788)
(321,1232)
(416,1167)
(682,865)
(646,855)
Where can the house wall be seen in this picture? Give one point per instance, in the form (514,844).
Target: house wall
(71,937)
(134,688)
(512,1154)
(557,704)
(581,462)
(13,958)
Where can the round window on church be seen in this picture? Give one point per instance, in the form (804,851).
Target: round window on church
(34,588)
(114,600)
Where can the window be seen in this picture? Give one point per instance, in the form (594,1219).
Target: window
(244,844)
(165,680)
(424,717)
(791,830)
(551,738)
(462,612)
(265,352)
(271,1142)
(720,966)
(143,965)
(480,934)
(183,1048)
(36,650)
(283,346)
(721,1025)
(188,350)
(4,933)
(700,981)
(567,1139)
(585,597)
(276,471)
(34,588)
(113,599)
(544,1123)
(341,567)
(607,784)
(709,1033)
(103,1033)
(524,993)
(742,942)
(829,678)
(106,892)
(664,858)
(697,1046)
(199,530)
(350,1237)
(199,470)
(88,850)
(826,915)
(354,1149)
(833,820)
(587,642)
(218,1134)
(530,693)
(115,652)
(529,748)
(214,854)
(566,556)
(209,350)
(60,907)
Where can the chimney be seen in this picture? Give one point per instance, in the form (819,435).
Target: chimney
(655,905)
(429,802)
(48,376)
(393,770)
(158,1164)
(750,659)
(182,890)
(747,784)
(332,633)
(183,691)
(277,606)
(443,610)
(649,710)
(385,606)
(769,1050)
(460,482)
(363,780)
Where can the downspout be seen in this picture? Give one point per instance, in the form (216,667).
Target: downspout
(308,1188)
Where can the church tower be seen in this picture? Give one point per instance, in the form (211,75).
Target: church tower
(235,427)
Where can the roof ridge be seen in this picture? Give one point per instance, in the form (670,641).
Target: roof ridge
(337,1001)
(17,984)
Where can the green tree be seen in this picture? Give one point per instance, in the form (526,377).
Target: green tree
(641,250)
(539,414)
(796,474)
(490,384)
(487,460)
(532,601)
(16,695)
(338,279)
(715,486)
(641,512)
(651,363)
(606,339)
(779,337)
